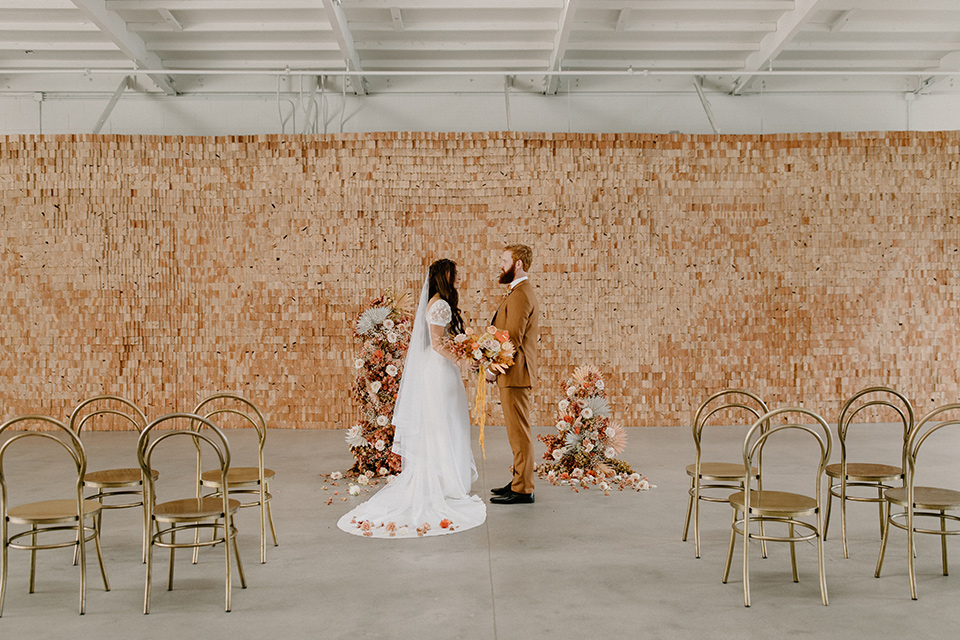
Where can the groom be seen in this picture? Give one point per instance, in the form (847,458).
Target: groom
(518,313)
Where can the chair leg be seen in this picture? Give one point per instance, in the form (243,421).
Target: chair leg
(883,537)
(793,553)
(686,522)
(173,541)
(226,547)
(733,534)
(263,525)
(236,551)
(96,542)
(696,520)
(826,522)
(148,560)
(33,558)
(843,516)
(823,575)
(746,559)
(273,529)
(880,502)
(943,542)
(3,564)
(146,526)
(82,545)
(910,562)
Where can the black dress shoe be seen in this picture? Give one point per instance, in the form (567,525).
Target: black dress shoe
(513,498)
(502,491)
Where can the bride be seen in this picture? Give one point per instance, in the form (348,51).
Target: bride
(431,496)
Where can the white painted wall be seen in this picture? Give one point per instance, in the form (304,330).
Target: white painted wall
(137,113)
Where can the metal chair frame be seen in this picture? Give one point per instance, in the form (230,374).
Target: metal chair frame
(864,475)
(191,514)
(49,516)
(716,476)
(112,483)
(239,477)
(921,502)
(763,506)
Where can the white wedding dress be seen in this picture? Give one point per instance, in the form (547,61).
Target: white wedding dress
(431,496)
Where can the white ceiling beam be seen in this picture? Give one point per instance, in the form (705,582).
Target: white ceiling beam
(679,45)
(465,26)
(338,21)
(698,85)
(772,44)
(564,27)
(243,45)
(311,26)
(170,19)
(949,62)
(397,19)
(841,21)
(622,18)
(40,46)
(876,46)
(697,5)
(48,27)
(234,5)
(907,66)
(722,26)
(115,28)
(124,84)
(440,45)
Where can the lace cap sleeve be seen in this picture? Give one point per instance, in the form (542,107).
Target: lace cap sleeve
(439,313)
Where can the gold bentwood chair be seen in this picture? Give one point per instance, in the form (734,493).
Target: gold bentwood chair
(67,516)
(189,514)
(869,475)
(742,407)
(764,506)
(253,481)
(921,501)
(111,484)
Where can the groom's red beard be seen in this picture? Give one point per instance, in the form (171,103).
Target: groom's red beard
(507,276)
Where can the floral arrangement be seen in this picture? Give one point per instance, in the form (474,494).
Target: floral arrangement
(384,329)
(584,451)
(490,349)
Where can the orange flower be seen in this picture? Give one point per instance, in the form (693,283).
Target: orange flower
(445,523)
(502,336)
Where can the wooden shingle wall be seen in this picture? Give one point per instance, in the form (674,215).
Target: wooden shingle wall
(802,267)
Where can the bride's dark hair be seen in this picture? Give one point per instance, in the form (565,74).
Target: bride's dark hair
(443,273)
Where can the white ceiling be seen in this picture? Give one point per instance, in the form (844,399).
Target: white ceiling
(546,46)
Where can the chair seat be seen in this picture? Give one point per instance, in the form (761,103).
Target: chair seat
(112,478)
(775,503)
(236,476)
(866,472)
(925,498)
(729,471)
(192,509)
(50,511)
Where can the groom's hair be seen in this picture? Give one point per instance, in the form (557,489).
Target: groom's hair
(521,252)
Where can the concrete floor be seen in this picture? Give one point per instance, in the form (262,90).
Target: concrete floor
(570,566)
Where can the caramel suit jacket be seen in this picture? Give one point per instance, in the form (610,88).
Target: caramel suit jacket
(519,314)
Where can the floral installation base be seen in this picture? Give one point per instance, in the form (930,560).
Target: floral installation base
(584,451)
(384,332)
(579,480)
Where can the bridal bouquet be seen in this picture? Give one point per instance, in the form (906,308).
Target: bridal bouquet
(491,349)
